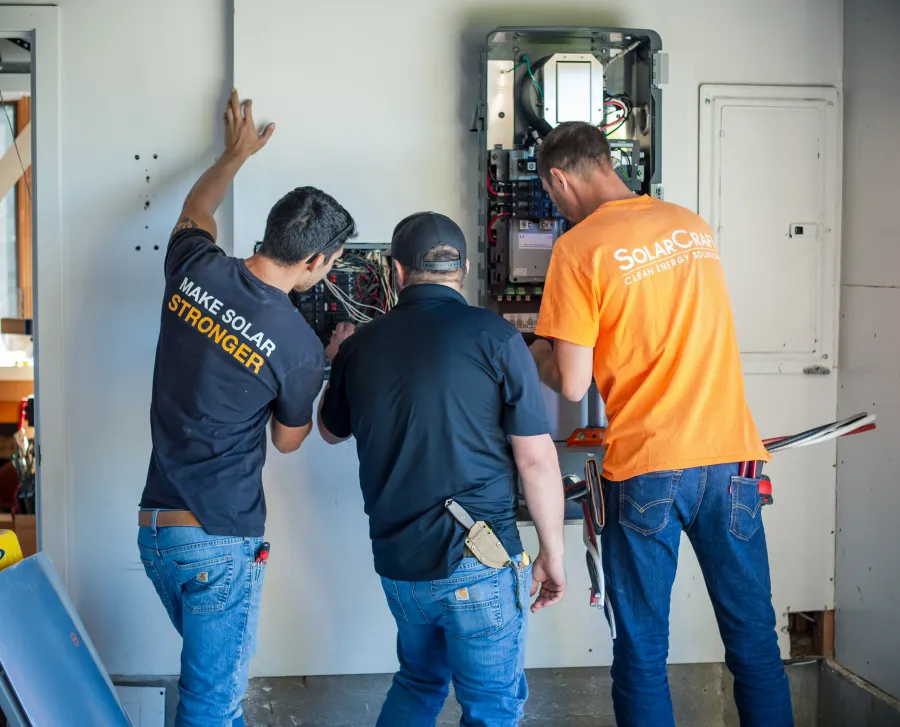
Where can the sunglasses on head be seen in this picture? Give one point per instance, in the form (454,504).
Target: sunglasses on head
(335,242)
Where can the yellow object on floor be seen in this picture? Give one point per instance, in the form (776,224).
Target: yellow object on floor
(10,552)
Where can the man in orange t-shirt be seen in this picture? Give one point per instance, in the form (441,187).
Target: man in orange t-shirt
(636,300)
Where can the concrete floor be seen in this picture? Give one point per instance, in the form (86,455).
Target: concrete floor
(824,695)
(701,694)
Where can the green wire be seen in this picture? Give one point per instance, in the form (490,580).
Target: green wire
(527,62)
(533,79)
(618,126)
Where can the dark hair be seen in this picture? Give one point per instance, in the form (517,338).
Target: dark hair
(302,222)
(439,253)
(575,147)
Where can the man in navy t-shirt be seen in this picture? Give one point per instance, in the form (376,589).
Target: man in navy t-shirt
(233,355)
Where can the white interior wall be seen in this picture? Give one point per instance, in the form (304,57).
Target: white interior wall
(373,104)
(868,495)
(380,119)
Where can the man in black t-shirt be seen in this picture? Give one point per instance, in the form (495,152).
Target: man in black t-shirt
(444,401)
(233,354)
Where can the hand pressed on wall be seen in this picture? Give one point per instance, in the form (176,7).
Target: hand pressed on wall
(241,137)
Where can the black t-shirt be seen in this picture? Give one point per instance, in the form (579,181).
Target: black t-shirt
(232,351)
(431,392)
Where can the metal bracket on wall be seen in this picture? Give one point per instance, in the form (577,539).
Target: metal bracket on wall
(660,69)
(657,191)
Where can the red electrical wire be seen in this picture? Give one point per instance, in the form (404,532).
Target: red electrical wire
(491,190)
(859,430)
(491,235)
(619,105)
(612,123)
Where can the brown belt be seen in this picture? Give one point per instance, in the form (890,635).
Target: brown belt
(168,519)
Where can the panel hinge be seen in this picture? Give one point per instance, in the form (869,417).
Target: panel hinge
(478,118)
(656,190)
(660,69)
(817,370)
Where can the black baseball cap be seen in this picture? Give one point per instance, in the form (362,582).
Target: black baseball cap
(417,234)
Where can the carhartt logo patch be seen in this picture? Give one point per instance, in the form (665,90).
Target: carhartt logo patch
(462,594)
(203,577)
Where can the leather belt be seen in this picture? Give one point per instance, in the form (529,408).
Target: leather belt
(168,519)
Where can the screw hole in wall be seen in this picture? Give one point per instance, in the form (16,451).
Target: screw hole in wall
(156,247)
(137,247)
(137,157)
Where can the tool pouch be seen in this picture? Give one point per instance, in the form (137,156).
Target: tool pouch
(486,547)
(765,490)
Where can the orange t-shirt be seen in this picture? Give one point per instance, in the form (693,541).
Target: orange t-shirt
(640,282)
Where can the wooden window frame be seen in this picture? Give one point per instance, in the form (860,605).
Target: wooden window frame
(24,222)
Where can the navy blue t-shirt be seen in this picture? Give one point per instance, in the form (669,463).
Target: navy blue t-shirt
(431,391)
(232,352)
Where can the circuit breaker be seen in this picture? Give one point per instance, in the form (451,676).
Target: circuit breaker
(533,79)
(358,289)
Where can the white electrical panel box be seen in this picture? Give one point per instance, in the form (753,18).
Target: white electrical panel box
(769,188)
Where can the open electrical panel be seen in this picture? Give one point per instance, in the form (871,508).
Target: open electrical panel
(358,289)
(534,78)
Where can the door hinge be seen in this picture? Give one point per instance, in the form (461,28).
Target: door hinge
(817,370)
(660,76)
(478,118)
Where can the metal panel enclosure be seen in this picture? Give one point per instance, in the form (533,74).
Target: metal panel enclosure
(772,202)
(48,657)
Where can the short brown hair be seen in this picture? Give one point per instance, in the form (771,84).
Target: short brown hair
(439,253)
(575,147)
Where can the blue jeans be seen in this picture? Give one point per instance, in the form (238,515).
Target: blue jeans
(469,627)
(720,513)
(211,588)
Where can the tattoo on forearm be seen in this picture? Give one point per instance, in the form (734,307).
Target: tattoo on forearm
(185,223)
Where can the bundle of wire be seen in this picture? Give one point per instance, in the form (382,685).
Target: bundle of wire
(373,294)
(856,424)
(622,106)
(575,488)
